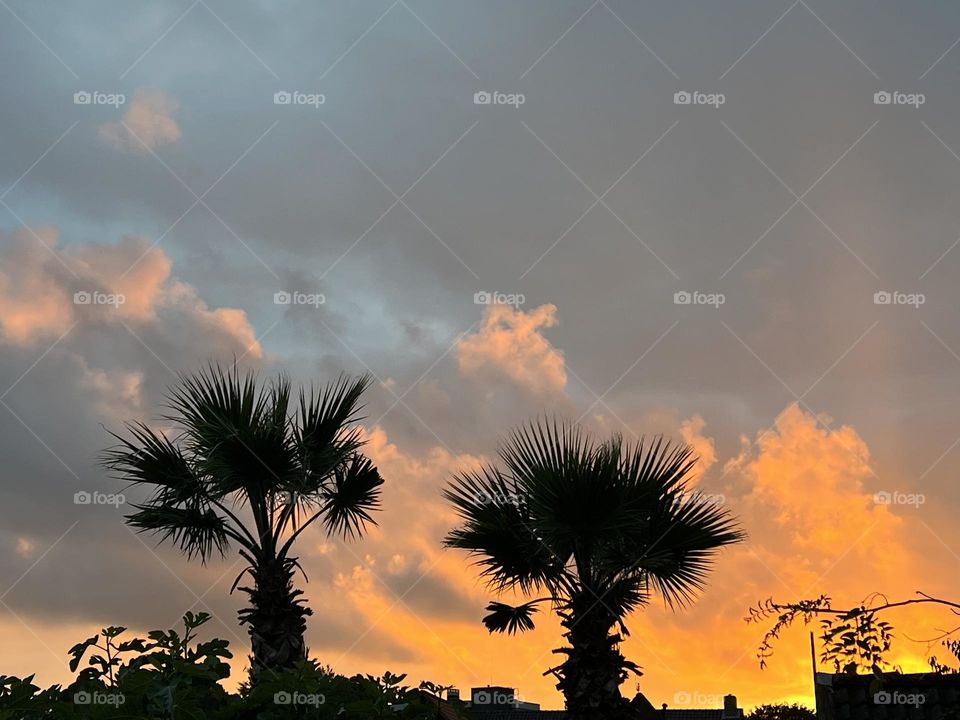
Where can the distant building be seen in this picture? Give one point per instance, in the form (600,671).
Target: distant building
(497,702)
(890,696)
(497,698)
(729,711)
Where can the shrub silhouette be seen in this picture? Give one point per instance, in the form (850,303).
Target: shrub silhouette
(169,676)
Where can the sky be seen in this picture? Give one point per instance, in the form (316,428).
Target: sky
(732,223)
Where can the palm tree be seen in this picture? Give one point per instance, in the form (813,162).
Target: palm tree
(595,528)
(243,466)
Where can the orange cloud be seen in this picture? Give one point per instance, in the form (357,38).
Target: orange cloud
(691,430)
(809,485)
(32,297)
(510,344)
(147,124)
(804,492)
(43,291)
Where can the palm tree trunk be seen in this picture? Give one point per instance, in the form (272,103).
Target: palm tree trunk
(590,677)
(276,618)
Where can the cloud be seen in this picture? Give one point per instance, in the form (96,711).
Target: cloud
(691,430)
(809,487)
(502,202)
(32,296)
(147,124)
(510,345)
(804,492)
(45,291)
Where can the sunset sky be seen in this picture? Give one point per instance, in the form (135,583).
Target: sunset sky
(788,201)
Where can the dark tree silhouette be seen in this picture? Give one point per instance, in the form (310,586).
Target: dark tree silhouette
(782,712)
(245,465)
(596,527)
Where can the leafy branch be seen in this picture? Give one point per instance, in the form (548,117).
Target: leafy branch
(854,638)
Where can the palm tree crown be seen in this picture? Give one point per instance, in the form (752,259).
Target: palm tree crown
(247,466)
(597,528)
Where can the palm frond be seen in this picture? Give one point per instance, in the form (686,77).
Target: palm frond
(616,518)
(195,531)
(677,554)
(351,495)
(214,401)
(660,467)
(322,432)
(545,446)
(237,430)
(569,482)
(150,458)
(499,531)
(510,619)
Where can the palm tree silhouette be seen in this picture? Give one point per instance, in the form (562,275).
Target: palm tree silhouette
(595,527)
(239,450)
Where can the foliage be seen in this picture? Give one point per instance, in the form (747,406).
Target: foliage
(168,676)
(596,529)
(782,712)
(249,465)
(854,639)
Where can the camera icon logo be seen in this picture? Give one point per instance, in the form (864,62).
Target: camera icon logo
(682,98)
(282,698)
(482,298)
(882,98)
(82,698)
(882,698)
(82,298)
(282,97)
(482,98)
(282,298)
(682,298)
(82,498)
(882,498)
(882,297)
(82,97)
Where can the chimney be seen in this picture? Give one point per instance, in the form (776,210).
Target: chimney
(730,709)
(453,695)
